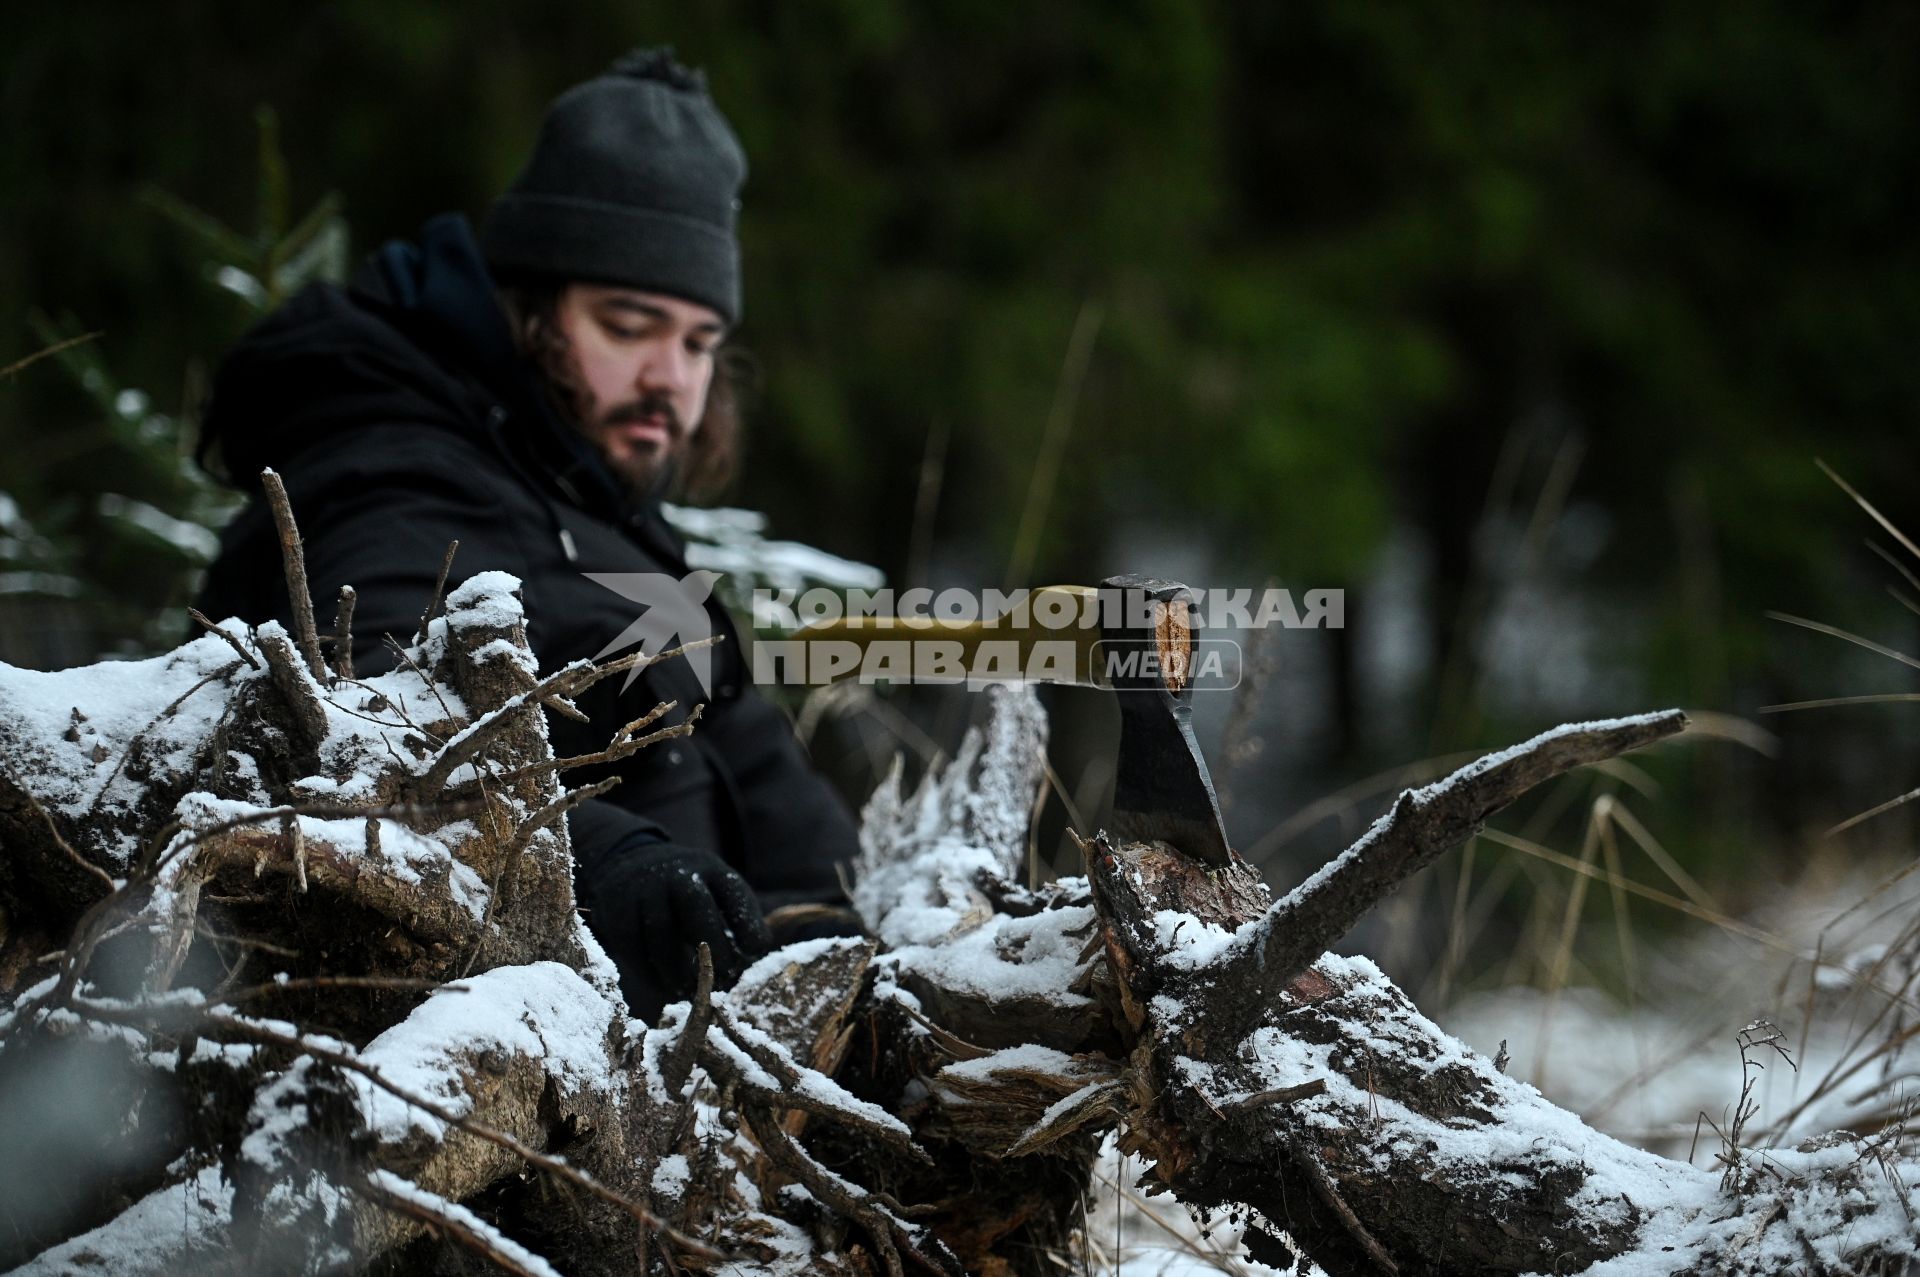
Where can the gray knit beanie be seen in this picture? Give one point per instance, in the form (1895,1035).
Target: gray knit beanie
(635,180)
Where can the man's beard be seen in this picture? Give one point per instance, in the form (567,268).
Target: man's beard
(642,471)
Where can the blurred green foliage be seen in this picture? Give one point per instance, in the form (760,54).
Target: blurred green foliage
(1554,302)
(130,553)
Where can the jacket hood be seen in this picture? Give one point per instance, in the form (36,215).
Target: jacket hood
(419,339)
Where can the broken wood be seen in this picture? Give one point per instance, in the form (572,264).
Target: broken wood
(424,1044)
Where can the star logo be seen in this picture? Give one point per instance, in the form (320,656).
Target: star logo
(673,611)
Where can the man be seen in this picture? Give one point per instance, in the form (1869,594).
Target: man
(534,393)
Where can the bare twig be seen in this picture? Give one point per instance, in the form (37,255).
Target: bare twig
(1279,1095)
(172,709)
(678,1065)
(1316,1175)
(294,561)
(1834,631)
(343,633)
(623,745)
(564,682)
(302,697)
(302,984)
(439,589)
(440,1216)
(792,1094)
(327,1053)
(20,365)
(953,1044)
(405,657)
(201,619)
(1881,519)
(552,812)
(60,841)
(835,1193)
(1423,825)
(200,928)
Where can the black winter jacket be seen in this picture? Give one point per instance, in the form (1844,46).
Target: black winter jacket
(400,418)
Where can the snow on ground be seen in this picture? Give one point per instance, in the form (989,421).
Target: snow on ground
(1645,1070)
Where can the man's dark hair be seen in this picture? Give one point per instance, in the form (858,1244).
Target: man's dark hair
(712,455)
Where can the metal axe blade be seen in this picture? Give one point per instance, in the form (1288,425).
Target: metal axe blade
(1142,650)
(1162,789)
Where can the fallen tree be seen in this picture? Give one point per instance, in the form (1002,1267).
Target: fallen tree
(317,935)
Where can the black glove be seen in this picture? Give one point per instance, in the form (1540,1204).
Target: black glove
(793,923)
(651,904)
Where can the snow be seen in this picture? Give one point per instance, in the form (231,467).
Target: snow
(402,853)
(750,1071)
(1528,1130)
(1646,1068)
(800,953)
(1130,1235)
(732,541)
(1185,943)
(181,1227)
(1064,1105)
(1026,1058)
(25,998)
(1002,957)
(1819,1208)
(815,1085)
(508,650)
(486,599)
(78,724)
(965,819)
(792,1250)
(671,1176)
(433,1203)
(924,857)
(1680,1209)
(542,1010)
(278,1115)
(1486,763)
(655,1043)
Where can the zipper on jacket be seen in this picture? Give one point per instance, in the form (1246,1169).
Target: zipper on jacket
(567,547)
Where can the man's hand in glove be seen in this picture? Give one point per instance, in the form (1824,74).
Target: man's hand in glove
(651,905)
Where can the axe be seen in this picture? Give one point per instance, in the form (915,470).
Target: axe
(1141,649)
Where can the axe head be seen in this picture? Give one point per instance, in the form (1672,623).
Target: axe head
(1161,786)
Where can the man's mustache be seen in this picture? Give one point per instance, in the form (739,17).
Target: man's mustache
(646,407)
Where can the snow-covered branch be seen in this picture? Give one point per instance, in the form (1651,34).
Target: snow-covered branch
(355,1016)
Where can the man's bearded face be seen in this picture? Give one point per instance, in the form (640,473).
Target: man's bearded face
(638,366)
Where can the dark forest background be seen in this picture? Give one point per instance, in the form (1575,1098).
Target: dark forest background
(1523,324)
